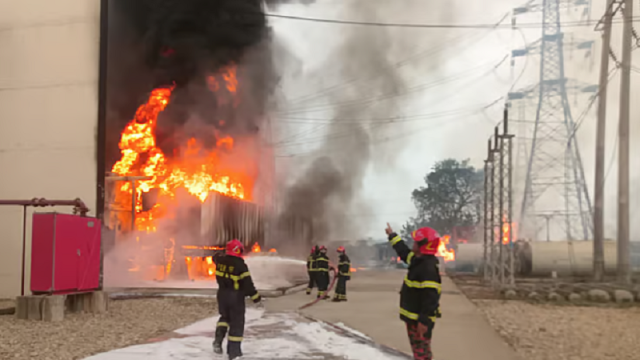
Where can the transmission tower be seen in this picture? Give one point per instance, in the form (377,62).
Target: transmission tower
(555,185)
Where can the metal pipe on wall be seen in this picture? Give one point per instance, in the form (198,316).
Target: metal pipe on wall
(79,207)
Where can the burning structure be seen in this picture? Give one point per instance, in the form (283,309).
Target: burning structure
(187,94)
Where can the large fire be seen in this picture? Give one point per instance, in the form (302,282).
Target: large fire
(192,168)
(196,170)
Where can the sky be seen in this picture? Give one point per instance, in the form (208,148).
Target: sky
(454,83)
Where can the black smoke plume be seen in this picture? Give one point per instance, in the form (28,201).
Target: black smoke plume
(154,43)
(329,189)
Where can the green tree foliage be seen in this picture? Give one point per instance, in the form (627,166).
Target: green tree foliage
(452,196)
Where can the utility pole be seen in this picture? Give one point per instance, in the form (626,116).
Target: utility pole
(624,273)
(598,209)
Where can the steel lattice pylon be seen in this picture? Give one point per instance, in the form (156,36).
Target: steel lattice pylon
(555,184)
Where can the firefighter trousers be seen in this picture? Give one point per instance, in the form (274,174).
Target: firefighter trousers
(312,281)
(341,288)
(232,308)
(322,280)
(420,343)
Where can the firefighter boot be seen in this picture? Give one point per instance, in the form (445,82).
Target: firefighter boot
(336,299)
(217,348)
(221,332)
(234,350)
(308,291)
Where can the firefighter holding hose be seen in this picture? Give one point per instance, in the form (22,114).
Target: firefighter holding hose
(322,272)
(234,284)
(311,269)
(344,274)
(420,294)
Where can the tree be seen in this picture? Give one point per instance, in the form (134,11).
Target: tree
(452,196)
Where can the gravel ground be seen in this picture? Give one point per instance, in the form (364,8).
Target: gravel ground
(126,323)
(552,332)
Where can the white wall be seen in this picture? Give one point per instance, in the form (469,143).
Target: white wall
(49,52)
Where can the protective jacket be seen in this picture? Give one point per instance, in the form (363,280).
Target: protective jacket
(344,266)
(322,263)
(420,293)
(311,262)
(232,274)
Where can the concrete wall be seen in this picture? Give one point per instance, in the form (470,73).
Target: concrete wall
(49,62)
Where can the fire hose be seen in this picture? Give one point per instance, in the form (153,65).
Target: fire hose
(333,281)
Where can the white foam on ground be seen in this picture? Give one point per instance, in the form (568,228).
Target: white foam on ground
(299,340)
(353,331)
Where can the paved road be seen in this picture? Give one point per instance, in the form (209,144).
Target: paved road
(462,333)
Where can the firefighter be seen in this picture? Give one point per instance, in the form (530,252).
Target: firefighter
(311,269)
(420,294)
(322,272)
(344,274)
(234,284)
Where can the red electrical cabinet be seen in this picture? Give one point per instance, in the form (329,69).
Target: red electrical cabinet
(65,253)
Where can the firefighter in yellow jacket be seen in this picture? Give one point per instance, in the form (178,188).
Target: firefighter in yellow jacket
(344,275)
(322,272)
(234,284)
(420,294)
(311,269)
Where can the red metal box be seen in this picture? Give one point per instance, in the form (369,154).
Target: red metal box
(65,253)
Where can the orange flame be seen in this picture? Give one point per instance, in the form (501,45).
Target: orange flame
(256,248)
(197,171)
(506,229)
(446,254)
(194,169)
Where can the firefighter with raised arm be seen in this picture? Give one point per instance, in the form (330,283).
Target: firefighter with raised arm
(234,284)
(420,294)
(322,271)
(311,269)
(344,274)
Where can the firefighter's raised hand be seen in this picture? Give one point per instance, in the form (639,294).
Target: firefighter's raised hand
(388,230)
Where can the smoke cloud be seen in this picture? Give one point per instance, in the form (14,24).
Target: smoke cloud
(192,45)
(330,187)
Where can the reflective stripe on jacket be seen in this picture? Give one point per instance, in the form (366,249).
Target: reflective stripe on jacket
(420,293)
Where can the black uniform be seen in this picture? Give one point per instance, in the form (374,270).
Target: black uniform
(419,297)
(344,274)
(234,284)
(322,274)
(311,270)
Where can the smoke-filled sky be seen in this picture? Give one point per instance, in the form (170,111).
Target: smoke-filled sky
(375,107)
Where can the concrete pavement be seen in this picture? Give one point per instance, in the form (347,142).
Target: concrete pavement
(462,332)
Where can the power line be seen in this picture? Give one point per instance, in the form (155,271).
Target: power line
(425,53)
(580,23)
(390,95)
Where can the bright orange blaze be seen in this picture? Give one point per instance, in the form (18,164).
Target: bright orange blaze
(446,254)
(195,169)
(505,232)
(200,267)
(256,248)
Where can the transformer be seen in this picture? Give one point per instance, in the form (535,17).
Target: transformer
(65,253)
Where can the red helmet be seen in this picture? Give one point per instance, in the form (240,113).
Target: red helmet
(341,249)
(313,249)
(428,240)
(235,248)
(322,248)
